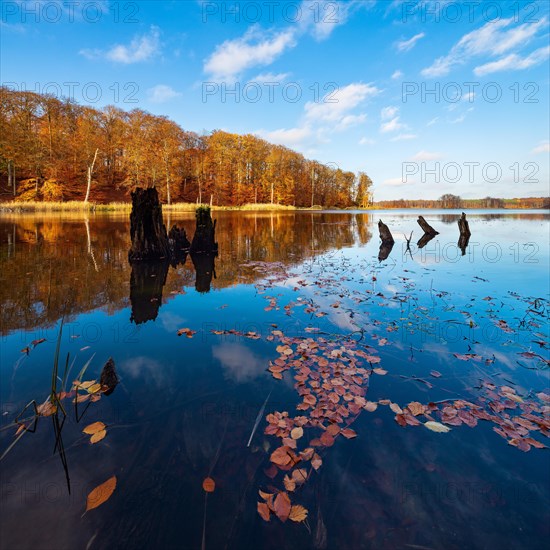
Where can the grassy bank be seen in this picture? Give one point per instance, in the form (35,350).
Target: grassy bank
(84,207)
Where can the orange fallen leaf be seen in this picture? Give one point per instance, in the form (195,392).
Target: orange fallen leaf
(296,433)
(416,408)
(298,513)
(98,436)
(282,506)
(101,494)
(289,483)
(263,510)
(92,429)
(380,371)
(396,408)
(348,433)
(209,485)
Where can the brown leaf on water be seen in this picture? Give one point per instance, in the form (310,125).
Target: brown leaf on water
(348,433)
(316,461)
(289,483)
(101,494)
(281,456)
(437,427)
(370,406)
(435,374)
(263,510)
(208,485)
(396,408)
(298,513)
(416,408)
(46,409)
(187,331)
(282,506)
(373,359)
(35,343)
(326,439)
(26,350)
(380,371)
(400,419)
(299,475)
(81,398)
(333,429)
(296,433)
(92,429)
(98,436)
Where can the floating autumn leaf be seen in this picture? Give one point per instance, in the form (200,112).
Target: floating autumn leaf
(437,427)
(289,483)
(370,406)
(94,388)
(46,409)
(93,428)
(348,433)
(296,433)
(35,343)
(263,510)
(209,485)
(282,506)
(187,331)
(297,513)
(435,374)
(281,456)
(316,461)
(416,408)
(299,475)
(101,494)
(98,436)
(396,408)
(380,371)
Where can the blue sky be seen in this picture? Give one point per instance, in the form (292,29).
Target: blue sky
(428,97)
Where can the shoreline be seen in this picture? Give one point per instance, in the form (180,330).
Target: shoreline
(14,207)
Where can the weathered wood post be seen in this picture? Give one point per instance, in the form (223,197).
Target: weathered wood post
(464,233)
(147,230)
(426,227)
(385,233)
(204,239)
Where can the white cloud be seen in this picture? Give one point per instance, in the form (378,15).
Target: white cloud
(366,141)
(239,363)
(270,77)
(543,147)
(433,121)
(253,49)
(458,120)
(161,94)
(404,137)
(141,48)
(426,155)
(406,45)
(287,136)
(493,38)
(514,62)
(396,182)
(391,125)
(397,75)
(337,105)
(388,112)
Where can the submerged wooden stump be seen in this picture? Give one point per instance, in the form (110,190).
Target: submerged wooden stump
(426,227)
(463,225)
(205,269)
(147,230)
(204,240)
(385,233)
(179,245)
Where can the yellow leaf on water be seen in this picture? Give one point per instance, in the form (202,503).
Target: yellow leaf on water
(437,427)
(94,388)
(94,428)
(98,436)
(101,494)
(298,513)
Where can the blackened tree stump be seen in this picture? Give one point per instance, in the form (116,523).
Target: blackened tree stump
(147,281)
(204,240)
(426,227)
(385,233)
(463,226)
(147,230)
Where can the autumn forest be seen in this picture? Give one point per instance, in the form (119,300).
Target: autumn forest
(54,150)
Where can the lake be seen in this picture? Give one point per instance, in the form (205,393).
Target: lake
(311,362)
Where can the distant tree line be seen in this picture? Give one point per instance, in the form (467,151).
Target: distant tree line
(56,150)
(449,201)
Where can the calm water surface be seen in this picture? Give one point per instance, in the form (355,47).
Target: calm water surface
(185,407)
